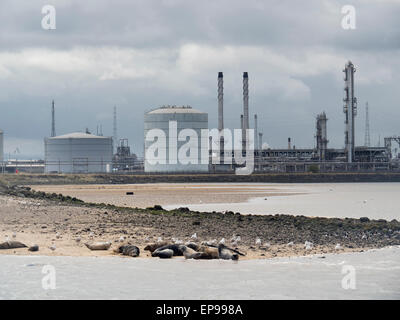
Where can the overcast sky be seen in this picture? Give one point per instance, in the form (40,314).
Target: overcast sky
(141,54)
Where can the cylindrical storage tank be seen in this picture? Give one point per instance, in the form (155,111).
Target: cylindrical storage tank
(1,147)
(78,153)
(173,140)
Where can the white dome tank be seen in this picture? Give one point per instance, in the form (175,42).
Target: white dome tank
(186,118)
(78,153)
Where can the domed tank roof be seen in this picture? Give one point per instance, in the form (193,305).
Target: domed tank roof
(174,109)
(78,135)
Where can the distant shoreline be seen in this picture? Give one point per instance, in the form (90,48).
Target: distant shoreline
(37,179)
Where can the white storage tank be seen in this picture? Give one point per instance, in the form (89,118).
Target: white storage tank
(78,153)
(185,118)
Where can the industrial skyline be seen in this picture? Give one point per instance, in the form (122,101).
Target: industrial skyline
(294,76)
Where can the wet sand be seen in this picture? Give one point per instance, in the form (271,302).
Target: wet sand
(148,195)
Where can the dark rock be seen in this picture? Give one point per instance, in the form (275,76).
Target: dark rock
(34,248)
(364,219)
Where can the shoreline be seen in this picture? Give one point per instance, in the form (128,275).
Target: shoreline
(40,217)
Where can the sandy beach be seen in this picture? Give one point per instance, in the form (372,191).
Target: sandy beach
(148,195)
(54,222)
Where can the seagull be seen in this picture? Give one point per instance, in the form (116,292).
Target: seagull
(308,245)
(338,247)
(121,239)
(160,239)
(267,245)
(91,235)
(146,239)
(177,241)
(53,247)
(194,236)
(222,241)
(290,244)
(58,236)
(258,241)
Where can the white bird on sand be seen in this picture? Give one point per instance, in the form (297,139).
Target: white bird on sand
(14,235)
(222,241)
(78,239)
(267,245)
(91,235)
(177,241)
(194,236)
(121,239)
(290,244)
(58,236)
(160,239)
(53,247)
(258,242)
(7,238)
(308,245)
(338,247)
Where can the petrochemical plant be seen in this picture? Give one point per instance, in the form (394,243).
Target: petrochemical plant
(83,152)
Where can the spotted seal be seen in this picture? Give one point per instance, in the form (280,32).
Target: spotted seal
(98,245)
(226,254)
(174,247)
(164,254)
(129,250)
(12,245)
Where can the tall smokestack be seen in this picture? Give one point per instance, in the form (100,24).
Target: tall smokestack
(220,101)
(241,122)
(289,143)
(350,110)
(245,106)
(255,131)
(53,121)
(260,135)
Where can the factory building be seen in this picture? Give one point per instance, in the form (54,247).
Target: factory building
(78,153)
(166,138)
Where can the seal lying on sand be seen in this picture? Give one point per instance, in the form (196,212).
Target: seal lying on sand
(208,252)
(226,254)
(12,245)
(163,254)
(98,245)
(153,246)
(189,253)
(174,247)
(129,250)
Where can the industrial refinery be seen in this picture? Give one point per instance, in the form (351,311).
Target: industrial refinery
(83,152)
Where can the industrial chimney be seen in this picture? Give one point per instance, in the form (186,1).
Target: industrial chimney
(53,121)
(350,110)
(220,101)
(255,132)
(245,107)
